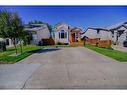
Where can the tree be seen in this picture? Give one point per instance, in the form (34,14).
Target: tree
(10,26)
(27,36)
(17,27)
(5,24)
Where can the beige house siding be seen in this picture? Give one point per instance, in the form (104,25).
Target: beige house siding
(105,35)
(90,33)
(102,34)
(58,34)
(41,32)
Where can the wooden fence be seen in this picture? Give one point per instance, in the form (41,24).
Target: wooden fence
(105,43)
(99,43)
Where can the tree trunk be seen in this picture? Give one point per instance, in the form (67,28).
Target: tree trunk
(21,46)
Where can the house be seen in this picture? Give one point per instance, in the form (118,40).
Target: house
(61,32)
(101,33)
(40,31)
(117,33)
(65,34)
(7,41)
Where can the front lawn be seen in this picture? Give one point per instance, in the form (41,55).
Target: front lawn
(115,54)
(27,50)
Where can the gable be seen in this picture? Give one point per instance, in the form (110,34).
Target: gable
(61,27)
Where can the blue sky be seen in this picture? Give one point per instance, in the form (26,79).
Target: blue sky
(79,16)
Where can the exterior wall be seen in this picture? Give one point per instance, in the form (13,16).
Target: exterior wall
(58,30)
(10,42)
(62,40)
(35,38)
(90,33)
(122,37)
(43,33)
(114,36)
(105,35)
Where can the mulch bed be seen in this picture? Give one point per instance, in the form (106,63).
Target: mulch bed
(7,62)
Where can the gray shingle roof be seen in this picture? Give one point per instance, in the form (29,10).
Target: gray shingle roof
(116,26)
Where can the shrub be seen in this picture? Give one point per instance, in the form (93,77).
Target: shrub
(49,41)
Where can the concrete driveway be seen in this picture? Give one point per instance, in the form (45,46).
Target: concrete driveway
(120,48)
(69,68)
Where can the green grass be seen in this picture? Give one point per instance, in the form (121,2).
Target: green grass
(115,54)
(27,50)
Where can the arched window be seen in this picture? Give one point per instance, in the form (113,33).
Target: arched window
(62,34)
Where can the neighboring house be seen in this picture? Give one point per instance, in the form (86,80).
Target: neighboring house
(101,33)
(65,34)
(41,31)
(117,33)
(7,41)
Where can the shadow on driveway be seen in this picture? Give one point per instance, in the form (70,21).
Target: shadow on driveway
(47,50)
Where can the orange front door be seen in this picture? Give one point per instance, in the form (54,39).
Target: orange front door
(73,37)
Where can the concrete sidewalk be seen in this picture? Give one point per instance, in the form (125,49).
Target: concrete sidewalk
(14,76)
(120,48)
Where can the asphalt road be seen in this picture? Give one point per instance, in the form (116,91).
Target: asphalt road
(65,68)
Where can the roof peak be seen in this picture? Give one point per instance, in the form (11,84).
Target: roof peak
(59,23)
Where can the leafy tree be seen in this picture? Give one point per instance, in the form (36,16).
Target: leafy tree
(17,27)
(10,26)
(5,24)
(27,37)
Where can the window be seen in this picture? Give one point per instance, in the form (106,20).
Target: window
(65,35)
(62,34)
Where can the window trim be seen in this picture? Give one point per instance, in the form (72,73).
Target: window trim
(62,34)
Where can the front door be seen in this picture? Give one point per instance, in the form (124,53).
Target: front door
(73,37)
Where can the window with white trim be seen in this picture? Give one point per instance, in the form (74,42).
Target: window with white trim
(62,34)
